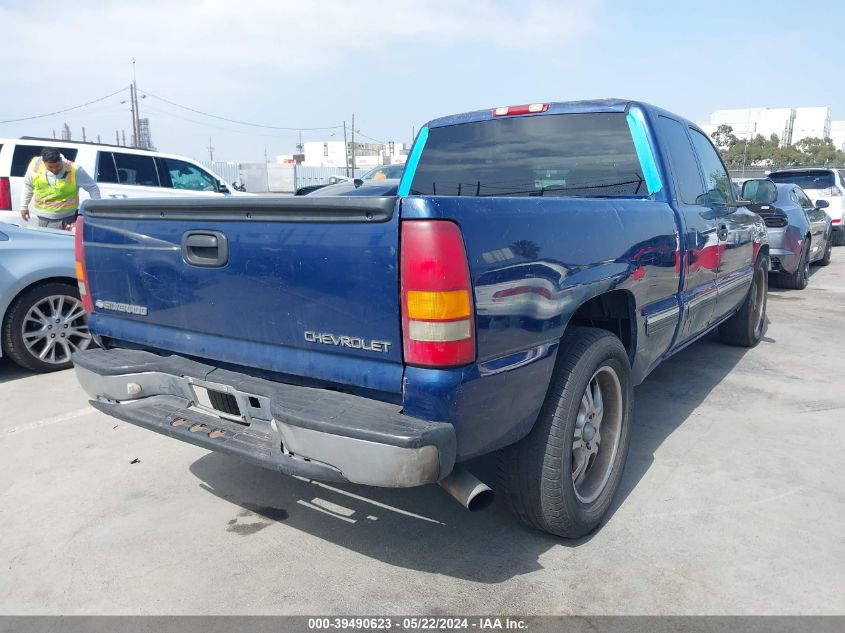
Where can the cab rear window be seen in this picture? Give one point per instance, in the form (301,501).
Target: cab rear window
(23,154)
(589,154)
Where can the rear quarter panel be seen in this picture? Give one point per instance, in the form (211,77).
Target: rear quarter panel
(577,248)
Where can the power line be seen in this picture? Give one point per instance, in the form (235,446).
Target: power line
(223,118)
(359,133)
(76,107)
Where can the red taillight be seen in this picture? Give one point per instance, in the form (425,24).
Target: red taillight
(81,271)
(437,314)
(5,195)
(533,108)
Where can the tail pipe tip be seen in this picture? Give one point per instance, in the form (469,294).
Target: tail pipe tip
(469,491)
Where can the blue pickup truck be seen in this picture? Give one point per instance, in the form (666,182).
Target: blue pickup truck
(533,264)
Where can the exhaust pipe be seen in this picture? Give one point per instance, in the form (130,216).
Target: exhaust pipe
(470,492)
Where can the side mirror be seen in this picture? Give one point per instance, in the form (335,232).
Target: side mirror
(221,187)
(357,182)
(759,191)
(822,204)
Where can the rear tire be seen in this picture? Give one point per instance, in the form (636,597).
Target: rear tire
(561,478)
(828,249)
(745,328)
(799,279)
(839,238)
(44,326)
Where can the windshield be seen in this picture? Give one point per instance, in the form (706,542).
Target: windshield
(551,155)
(810,179)
(387,171)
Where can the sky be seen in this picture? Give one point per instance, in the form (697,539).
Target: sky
(395,65)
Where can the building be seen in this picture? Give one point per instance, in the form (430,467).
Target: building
(790,125)
(366,155)
(811,123)
(837,134)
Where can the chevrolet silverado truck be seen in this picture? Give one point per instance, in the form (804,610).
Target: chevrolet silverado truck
(533,264)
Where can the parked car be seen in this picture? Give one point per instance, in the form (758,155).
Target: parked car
(42,320)
(350,188)
(341,337)
(383,172)
(820,184)
(120,172)
(799,231)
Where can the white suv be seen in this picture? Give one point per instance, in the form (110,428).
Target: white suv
(821,183)
(120,172)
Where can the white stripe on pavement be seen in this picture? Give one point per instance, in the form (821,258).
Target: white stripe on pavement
(56,419)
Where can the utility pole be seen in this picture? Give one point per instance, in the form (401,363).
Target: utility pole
(267,169)
(98,140)
(133,100)
(210,151)
(353,146)
(83,135)
(345,149)
(124,137)
(116,137)
(54,133)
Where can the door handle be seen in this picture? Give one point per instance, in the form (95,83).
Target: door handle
(722,233)
(208,249)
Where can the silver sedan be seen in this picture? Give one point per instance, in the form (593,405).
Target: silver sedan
(799,230)
(42,321)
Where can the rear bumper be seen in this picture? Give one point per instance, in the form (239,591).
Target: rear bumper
(296,430)
(784,260)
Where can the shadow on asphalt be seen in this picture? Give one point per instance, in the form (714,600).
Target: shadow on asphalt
(667,398)
(423,528)
(9,371)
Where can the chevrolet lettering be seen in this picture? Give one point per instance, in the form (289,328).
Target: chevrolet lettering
(128,308)
(355,342)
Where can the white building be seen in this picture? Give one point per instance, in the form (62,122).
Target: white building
(789,124)
(837,134)
(811,123)
(367,155)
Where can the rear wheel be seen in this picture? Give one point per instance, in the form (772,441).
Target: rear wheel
(799,279)
(828,249)
(839,238)
(745,328)
(561,478)
(44,326)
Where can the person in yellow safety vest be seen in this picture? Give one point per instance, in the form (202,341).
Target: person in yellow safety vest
(52,185)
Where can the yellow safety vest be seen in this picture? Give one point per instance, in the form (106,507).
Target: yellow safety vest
(58,198)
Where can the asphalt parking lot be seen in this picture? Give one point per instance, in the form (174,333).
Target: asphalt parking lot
(732,503)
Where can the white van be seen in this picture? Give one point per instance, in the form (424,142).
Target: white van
(120,172)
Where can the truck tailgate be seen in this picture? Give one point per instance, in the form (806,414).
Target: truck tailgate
(289,285)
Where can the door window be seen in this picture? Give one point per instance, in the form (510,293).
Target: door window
(134,169)
(106,171)
(684,165)
(184,175)
(717,184)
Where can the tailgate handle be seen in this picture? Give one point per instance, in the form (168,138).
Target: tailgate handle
(209,249)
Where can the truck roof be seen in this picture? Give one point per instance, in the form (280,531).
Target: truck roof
(558,107)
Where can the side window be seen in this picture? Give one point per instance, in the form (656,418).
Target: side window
(24,154)
(684,166)
(184,175)
(716,180)
(135,169)
(106,171)
(802,198)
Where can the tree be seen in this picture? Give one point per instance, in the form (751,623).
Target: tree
(724,137)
